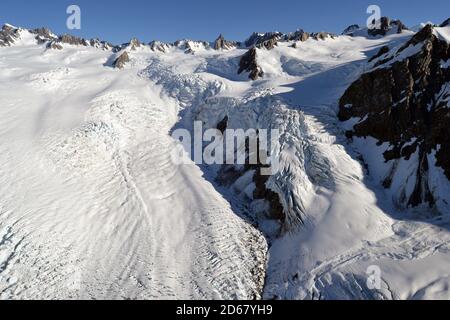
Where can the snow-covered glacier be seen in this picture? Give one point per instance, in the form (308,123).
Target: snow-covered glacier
(92,205)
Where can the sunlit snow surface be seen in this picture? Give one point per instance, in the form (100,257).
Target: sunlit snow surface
(91,205)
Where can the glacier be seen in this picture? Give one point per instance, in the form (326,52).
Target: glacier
(92,207)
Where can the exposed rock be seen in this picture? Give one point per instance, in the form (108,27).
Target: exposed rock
(222,44)
(190,46)
(269,44)
(322,35)
(73,40)
(96,43)
(298,35)
(257,39)
(426,33)
(57,43)
(276,210)
(222,125)
(159,46)
(446,23)
(406,104)
(249,64)
(134,44)
(120,62)
(8,35)
(229,174)
(386,25)
(400,26)
(54,45)
(43,35)
(382,51)
(350,29)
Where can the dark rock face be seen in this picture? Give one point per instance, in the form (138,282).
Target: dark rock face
(258,39)
(159,46)
(298,35)
(54,45)
(120,62)
(222,44)
(8,35)
(400,26)
(96,43)
(276,210)
(134,44)
(190,47)
(382,51)
(446,23)
(269,44)
(222,125)
(69,39)
(249,64)
(386,25)
(322,35)
(406,103)
(43,35)
(229,174)
(350,29)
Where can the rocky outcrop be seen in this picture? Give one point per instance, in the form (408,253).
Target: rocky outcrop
(381,52)
(386,26)
(270,40)
(259,39)
(134,44)
(230,174)
(222,44)
(446,23)
(120,62)
(322,35)
(269,44)
(73,40)
(158,46)
(43,35)
(298,35)
(275,210)
(8,35)
(53,42)
(191,46)
(54,45)
(350,29)
(406,104)
(99,44)
(249,64)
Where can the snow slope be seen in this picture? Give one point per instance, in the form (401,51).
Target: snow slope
(92,206)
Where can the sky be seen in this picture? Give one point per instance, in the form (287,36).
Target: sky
(118,21)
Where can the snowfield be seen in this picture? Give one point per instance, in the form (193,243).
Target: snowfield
(92,207)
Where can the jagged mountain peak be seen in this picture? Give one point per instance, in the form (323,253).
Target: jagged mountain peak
(8,35)
(403,103)
(446,23)
(387,26)
(221,44)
